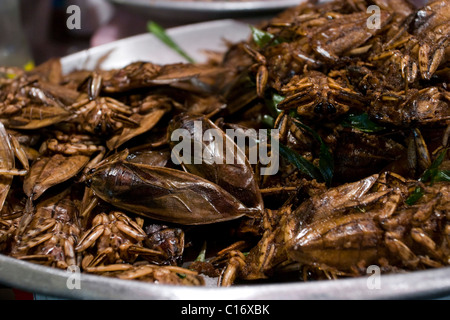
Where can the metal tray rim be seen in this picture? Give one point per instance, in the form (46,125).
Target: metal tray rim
(53,282)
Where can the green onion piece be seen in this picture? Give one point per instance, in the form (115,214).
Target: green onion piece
(443,175)
(431,173)
(301,163)
(361,122)
(326,161)
(261,37)
(272,104)
(202,255)
(161,34)
(415,196)
(268,120)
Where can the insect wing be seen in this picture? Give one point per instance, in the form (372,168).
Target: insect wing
(165,194)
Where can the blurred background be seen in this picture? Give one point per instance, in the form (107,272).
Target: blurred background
(36,30)
(44,26)
(32,31)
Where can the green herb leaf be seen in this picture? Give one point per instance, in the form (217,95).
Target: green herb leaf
(161,34)
(268,120)
(326,161)
(432,172)
(272,104)
(202,255)
(361,122)
(415,196)
(301,163)
(262,38)
(443,175)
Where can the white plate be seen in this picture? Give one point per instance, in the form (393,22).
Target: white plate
(204,10)
(194,39)
(54,282)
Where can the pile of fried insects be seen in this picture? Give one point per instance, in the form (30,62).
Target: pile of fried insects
(361,104)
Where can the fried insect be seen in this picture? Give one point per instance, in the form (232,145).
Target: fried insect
(31,101)
(10,216)
(236,176)
(47,172)
(156,274)
(347,228)
(315,94)
(164,194)
(103,116)
(345,34)
(424,106)
(423,50)
(48,235)
(9,149)
(114,238)
(170,241)
(145,74)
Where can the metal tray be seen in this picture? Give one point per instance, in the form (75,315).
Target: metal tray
(194,11)
(53,282)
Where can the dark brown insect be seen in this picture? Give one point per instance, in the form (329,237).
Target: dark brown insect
(163,193)
(237,177)
(316,95)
